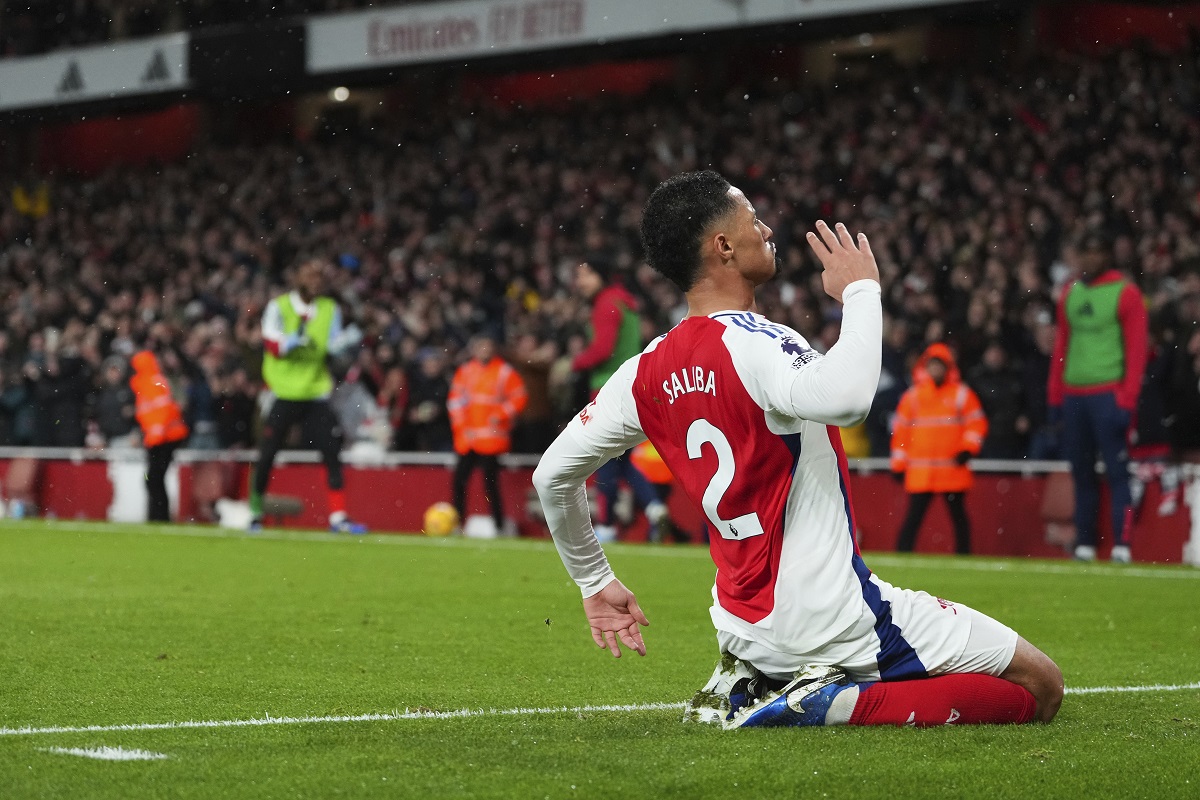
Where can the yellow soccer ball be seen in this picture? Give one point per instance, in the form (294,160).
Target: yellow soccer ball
(440,520)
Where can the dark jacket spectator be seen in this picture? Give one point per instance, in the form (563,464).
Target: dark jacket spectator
(428,427)
(236,410)
(113,408)
(60,388)
(1000,392)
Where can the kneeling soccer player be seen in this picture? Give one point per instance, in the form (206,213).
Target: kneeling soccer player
(745,415)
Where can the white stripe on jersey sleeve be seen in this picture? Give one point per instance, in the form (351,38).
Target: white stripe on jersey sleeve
(606,428)
(272,324)
(788,378)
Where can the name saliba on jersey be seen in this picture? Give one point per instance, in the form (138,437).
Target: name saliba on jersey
(690,379)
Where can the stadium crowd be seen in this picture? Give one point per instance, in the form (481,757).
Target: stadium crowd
(472,217)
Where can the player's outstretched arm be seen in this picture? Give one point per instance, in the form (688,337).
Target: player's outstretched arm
(613,613)
(845,260)
(839,388)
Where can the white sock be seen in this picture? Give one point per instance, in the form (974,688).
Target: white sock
(842,707)
(655,511)
(337,517)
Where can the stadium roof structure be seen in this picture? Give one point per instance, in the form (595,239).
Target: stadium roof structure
(273,57)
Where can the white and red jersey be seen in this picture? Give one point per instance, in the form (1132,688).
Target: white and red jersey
(743,412)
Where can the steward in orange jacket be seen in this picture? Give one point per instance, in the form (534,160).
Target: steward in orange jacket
(163,429)
(939,427)
(937,422)
(157,412)
(486,396)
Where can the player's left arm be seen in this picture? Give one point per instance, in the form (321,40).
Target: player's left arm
(607,427)
(1131,311)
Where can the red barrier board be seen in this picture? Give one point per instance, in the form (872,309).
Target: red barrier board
(1005,509)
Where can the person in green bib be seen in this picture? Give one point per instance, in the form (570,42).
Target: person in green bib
(300,330)
(1096,372)
(616,338)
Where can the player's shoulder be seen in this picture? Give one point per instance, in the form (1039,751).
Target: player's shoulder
(739,323)
(753,337)
(753,325)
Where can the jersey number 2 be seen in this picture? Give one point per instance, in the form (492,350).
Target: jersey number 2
(700,433)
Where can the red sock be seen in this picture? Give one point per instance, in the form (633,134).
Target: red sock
(946,699)
(337,501)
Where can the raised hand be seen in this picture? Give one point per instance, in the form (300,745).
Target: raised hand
(844,260)
(613,613)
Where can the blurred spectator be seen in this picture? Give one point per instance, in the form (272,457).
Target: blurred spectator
(486,396)
(114,407)
(59,380)
(940,427)
(393,400)
(200,405)
(616,337)
(1183,375)
(428,421)
(163,430)
(1001,394)
(236,409)
(301,330)
(1149,441)
(1045,434)
(16,412)
(1095,379)
(533,361)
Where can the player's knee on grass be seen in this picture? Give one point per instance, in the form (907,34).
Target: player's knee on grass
(1034,670)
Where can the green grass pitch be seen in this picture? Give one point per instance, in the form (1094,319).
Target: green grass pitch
(104,625)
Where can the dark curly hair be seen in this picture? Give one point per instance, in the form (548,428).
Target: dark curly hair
(677,214)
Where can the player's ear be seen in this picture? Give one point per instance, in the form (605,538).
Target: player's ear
(722,246)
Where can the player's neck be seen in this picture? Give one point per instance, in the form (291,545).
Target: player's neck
(710,295)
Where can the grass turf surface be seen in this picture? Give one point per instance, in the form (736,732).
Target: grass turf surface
(109,625)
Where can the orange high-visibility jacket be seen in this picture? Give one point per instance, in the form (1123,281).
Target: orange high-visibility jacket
(935,423)
(157,412)
(484,402)
(647,460)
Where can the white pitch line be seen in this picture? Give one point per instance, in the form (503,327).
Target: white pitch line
(1182,687)
(384,717)
(458,714)
(106,753)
